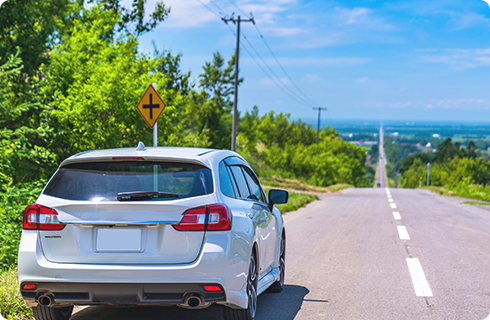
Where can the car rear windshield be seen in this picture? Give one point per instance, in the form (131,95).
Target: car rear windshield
(102,181)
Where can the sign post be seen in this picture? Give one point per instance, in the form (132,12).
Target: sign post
(155,128)
(151,106)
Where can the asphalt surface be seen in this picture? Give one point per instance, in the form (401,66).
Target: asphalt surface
(345,260)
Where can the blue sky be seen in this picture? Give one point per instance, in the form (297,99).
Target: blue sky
(367,59)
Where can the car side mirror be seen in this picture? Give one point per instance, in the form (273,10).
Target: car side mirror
(277,196)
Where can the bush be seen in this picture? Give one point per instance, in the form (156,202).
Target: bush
(11,304)
(13,200)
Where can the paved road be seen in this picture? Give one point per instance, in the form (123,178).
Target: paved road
(345,260)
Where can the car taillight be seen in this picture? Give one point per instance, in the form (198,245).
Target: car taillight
(38,217)
(218,219)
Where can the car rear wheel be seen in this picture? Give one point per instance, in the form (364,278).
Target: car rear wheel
(278,285)
(49,313)
(249,313)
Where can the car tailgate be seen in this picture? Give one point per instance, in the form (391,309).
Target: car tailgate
(122,232)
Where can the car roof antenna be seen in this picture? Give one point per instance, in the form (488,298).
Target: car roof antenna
(141,146)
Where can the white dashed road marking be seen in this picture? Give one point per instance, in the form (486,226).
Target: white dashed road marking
(393,205)
(420,283)
(403,233)
(397,216)
(390,200)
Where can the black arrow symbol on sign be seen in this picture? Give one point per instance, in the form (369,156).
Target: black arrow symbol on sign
(151,106)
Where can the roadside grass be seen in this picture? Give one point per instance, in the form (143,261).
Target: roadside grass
(296,200)
(300,186)
(11,304)
(440,190)
(478,203)
(475,192)
(338,187)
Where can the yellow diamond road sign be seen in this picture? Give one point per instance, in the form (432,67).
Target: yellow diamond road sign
(151,106)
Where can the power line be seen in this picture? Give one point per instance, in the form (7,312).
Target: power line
(209,9)
(217,7)
(274,81)
(234,4)
(303,101)
(274,78)
(275,58)
(282,68)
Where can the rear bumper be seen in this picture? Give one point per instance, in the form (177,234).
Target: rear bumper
(83,284)
(65,293)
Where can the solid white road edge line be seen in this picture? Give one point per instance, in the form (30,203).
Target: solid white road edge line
(403,233)
(397,216)
(420,283)
(393,205)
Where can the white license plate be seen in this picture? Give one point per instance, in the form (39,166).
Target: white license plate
(119,240)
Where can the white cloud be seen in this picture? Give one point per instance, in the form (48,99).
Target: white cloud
(465,20)
(460,59)
(362,80)
(365,17)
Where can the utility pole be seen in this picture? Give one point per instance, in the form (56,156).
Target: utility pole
(318,124)
(428,173)
(235,99)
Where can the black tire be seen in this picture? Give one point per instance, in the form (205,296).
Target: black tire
(278,285)
(49,313)
(249,313)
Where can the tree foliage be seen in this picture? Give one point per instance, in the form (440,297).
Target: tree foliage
(276,146)
(452,166)
(210,112)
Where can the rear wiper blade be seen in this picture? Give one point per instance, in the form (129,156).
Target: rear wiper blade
(144,195)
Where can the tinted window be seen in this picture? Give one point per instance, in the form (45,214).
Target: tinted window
(254,187)
(102,181)
(225,182)
(240,180)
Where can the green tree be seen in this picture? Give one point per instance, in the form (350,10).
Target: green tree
(210,111)
(407,163)
(93,84)
(30,25)
(22,155)
(447,151)
(415,175)
(132,20)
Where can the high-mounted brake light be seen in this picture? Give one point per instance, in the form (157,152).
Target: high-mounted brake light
(128,158)
(38,217)
(218,219)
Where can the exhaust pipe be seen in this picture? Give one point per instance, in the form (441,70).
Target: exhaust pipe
(194,301)
(45,300)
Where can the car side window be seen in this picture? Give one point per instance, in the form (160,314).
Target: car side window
(241,182)
(254,187)
(225,182)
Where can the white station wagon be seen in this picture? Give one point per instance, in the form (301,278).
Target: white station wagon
(152,226)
